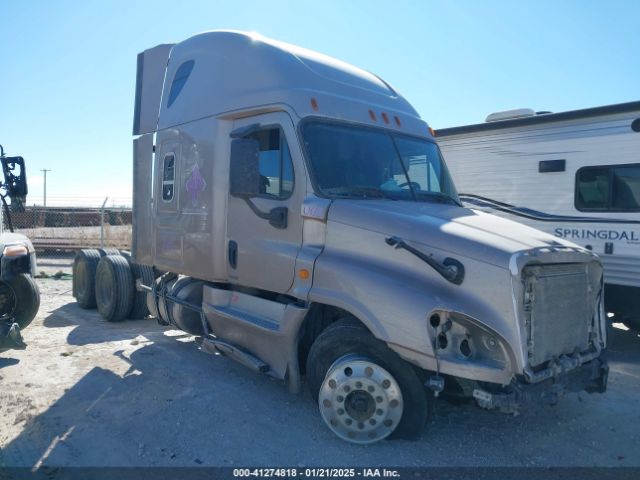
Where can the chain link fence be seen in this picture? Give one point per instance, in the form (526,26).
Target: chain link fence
(58,232)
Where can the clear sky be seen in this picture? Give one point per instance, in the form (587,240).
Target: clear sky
(68,67)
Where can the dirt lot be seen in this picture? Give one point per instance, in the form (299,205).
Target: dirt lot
(90,393)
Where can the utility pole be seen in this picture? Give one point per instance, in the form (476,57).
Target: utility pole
(45,185)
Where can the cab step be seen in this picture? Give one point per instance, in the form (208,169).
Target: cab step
(215,346)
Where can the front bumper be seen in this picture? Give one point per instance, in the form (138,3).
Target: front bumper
(591,377)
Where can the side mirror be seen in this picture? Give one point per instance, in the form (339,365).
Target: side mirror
(244,168)
(15,177)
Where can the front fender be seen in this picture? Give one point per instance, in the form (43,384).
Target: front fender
(393,293)
(13,264)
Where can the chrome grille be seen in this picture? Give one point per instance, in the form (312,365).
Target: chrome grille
(559,306)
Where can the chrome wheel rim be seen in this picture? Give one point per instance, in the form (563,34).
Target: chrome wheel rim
(360,401)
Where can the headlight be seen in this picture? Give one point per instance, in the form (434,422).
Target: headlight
(15,251)
(460,337)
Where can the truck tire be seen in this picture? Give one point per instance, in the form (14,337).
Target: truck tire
(108,251)
(145,274)
(26,298)
(364,390)
(114,288)
(84,277)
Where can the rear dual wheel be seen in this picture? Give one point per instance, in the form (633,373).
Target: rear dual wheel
(365,391)
(84,269)
(146,276)
(114,288)
(114,281)
(84,277)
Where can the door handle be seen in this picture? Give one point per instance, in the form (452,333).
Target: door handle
(233,254)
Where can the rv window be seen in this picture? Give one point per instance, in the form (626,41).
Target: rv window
(613,188)
(168,177)
(179,80)
(276,168)
(626,188)
(592,189)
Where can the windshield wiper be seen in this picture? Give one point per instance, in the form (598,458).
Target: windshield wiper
(451,269)
(438,197)
(359,192)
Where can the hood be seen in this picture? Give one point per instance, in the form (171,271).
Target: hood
(10,238)
(445,227)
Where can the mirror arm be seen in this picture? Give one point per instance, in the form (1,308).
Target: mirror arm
(277,216)
(7,212)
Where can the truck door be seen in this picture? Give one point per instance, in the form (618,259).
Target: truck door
(262,255)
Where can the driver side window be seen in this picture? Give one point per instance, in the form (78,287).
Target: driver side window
(276,167)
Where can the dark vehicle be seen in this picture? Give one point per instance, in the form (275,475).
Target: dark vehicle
(19,294)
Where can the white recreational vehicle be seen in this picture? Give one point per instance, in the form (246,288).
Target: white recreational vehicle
(573,174)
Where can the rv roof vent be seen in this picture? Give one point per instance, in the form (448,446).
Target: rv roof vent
(510,114)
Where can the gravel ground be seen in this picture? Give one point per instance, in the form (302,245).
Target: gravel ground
(90,393)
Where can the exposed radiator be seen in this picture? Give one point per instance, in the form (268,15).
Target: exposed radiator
(559,305)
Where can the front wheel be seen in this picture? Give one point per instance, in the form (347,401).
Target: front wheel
(365,391)
(20,299)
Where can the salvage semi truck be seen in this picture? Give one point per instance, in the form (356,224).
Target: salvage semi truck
(294,213)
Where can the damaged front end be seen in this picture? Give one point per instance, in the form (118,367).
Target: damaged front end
(559,301)
(591,377)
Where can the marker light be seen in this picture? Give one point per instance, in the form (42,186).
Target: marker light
(314,104)
(303,274)
(14,251)
(385,117)
(372,115)
(397,119)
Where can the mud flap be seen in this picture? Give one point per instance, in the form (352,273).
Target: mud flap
(599,378)
(10,338)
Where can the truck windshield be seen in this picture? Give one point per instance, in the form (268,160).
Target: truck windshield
(358,162)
